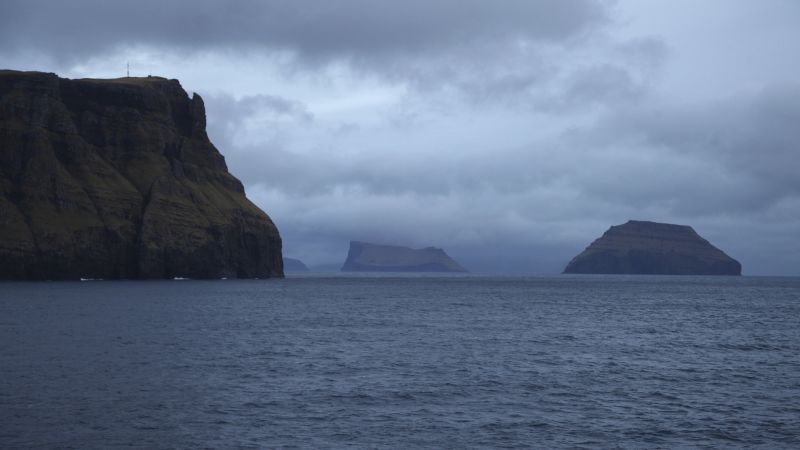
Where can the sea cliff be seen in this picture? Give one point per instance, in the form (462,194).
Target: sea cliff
(641,247)
(118,179)
(365,257)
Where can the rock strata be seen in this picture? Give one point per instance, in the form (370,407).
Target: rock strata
(364,257)
(118,179)
(639,247)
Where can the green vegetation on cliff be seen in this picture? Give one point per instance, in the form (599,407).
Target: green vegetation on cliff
(118,179)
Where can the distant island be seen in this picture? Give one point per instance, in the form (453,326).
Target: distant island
(294,265)
(365,257)
(117,179)
(640,247)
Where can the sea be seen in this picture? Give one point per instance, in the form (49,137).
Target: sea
(403,362)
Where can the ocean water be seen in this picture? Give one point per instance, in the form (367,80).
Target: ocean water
(402,362)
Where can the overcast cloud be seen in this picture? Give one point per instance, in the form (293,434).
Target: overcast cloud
(511,133)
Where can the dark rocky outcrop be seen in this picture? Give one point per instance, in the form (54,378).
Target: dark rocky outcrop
(638,247)
(294,265)
(364,257)
(118,179)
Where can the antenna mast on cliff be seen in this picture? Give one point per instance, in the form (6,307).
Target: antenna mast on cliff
(129,69)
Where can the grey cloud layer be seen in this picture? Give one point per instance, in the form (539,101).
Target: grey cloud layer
(514,51)
(750,145)
(511,132)
(313,29)
(732,156)
(723,166)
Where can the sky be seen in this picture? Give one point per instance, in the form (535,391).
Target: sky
(511,133)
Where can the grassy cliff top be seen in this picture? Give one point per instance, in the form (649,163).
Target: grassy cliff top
(147,81)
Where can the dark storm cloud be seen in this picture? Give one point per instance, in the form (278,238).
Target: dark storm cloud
(72,30)
(514,51)
(737,155)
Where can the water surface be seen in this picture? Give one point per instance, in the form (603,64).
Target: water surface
(402,362)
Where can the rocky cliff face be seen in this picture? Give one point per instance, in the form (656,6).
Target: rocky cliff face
(638,247)
(118,179)
(364,257)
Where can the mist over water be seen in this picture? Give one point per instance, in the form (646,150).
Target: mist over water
(407,361)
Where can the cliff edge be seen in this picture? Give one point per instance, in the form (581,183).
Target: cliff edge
(118,179)
(364,257)
(639,247)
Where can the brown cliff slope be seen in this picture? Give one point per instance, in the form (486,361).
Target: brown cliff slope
(639,247)
(118,179)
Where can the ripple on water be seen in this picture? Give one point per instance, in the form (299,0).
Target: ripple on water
(563,362)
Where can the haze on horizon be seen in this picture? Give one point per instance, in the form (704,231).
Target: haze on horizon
(509,133)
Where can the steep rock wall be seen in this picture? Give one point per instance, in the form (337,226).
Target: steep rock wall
(118,179)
